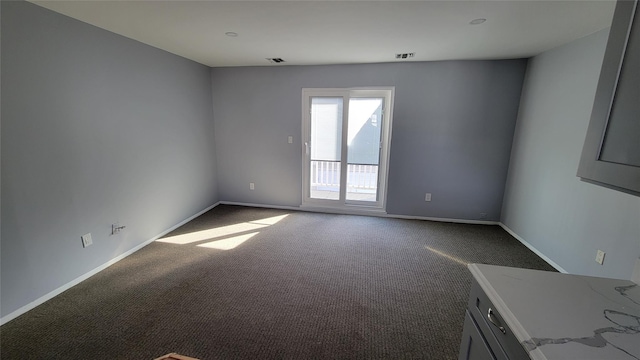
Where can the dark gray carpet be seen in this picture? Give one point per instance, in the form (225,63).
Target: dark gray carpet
(308,287)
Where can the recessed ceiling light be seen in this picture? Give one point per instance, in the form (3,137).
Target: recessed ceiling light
(231,34)
(477,21)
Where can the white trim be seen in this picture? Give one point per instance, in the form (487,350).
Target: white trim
(349,211)
(345,209)
(536,251)
(89,274)
(355,210)
(457,221)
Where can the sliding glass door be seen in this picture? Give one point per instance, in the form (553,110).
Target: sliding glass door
(346,134)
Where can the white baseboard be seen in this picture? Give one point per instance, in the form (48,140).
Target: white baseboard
(449,220)
(5,319)
(89,274)
(356,211)
(536,251)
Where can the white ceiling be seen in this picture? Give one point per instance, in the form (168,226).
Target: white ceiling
(343,32)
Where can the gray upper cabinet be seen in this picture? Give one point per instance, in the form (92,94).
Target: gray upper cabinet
(611,152)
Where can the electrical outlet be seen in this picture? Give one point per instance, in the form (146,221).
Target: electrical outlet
(427,197)
(86,240)
(600,257)
(483,216)
(252,186)
(290,139)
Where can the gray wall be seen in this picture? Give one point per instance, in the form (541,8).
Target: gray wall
(452,132)
(545,203)
(95,128)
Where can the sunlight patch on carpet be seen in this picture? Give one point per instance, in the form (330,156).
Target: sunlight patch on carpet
(228,243)
(222,232)
(445,255)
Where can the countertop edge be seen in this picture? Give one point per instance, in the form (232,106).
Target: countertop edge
(512,322)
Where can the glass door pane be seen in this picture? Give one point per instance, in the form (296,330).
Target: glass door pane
(363,148)
(326,147)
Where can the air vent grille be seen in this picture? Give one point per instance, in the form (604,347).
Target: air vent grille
(405,55)
(275,60)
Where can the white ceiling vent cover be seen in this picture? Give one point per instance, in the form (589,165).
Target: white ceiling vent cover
(405,55)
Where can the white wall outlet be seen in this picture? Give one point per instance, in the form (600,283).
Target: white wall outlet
(252,186)
(427,197)
(600,257)
(86,240)
(290,139)
(483,216)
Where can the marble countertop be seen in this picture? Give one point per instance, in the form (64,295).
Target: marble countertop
(561,316)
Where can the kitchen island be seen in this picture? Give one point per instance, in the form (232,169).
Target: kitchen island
(529,314)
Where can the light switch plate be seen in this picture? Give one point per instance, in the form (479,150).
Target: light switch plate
(290,139)
(86,240)
(600,257)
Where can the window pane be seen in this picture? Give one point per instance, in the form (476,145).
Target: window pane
(326,145)
(363,141)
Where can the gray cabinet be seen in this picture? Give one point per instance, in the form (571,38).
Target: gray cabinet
(611,152)
(485,334)
(474,346)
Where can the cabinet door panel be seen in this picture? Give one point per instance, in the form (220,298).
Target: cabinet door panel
(502,341)
(473,346)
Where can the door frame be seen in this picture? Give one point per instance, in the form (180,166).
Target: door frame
(386,92)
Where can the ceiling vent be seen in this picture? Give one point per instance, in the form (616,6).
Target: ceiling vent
(405,55)
(275,60)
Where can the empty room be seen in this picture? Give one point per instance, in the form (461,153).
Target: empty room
(320,179)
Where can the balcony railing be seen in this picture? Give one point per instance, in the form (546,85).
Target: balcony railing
(361,178)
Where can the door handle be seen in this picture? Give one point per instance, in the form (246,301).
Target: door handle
(495,321)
